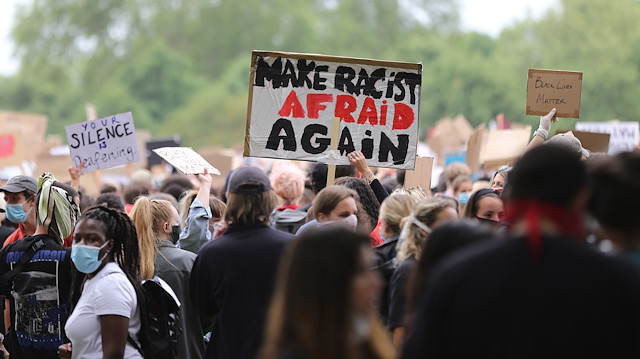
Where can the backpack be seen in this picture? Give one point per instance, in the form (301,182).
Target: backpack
(160,318)
(288,220)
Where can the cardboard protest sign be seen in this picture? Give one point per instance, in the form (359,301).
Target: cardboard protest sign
(11,149)
(293,99)
(185,160)
(495,148)
(103,143)
(32,128)
(449,135)
(592,141)
(547,89)
(624,135)
(421,175)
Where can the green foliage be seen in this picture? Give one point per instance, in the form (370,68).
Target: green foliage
(182,66)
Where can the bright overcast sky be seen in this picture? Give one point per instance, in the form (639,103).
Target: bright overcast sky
(487,16)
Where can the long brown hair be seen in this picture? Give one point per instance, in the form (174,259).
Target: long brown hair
(310,311)
(149,216)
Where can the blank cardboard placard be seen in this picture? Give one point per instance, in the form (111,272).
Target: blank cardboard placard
(548,89)
(11,149)
(592,141)
(421,175)
(474,148)
(505,144)
(185,160)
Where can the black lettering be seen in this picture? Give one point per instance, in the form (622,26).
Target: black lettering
(304,70)
(271,73)
(367,145)
(289,73)
(309,132)
(362,83)
(99,134)
(118,133)
(89,139)
(75,137)
(398,153)
(288,139)
(344,76)
(111,132)
(127,130)
(317,80)
(345,145)
(410,79)
(378,74)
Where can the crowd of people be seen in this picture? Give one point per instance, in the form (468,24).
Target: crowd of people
(277,265)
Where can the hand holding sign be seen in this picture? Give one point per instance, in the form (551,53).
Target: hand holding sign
(185,160)
(545,123)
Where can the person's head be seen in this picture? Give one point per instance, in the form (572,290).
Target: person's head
(499,178)
(216,206)
(319,174)
(176,185)
(454,170)
(615,196)
(336,203)
(287,181)
(165,197)
(571,143)
(416,228)
(19,194)
(156,221)
(323,290)
(110,200)
(484,204)
(444,240)
(368,216)
(417,193)
(134,190)
(110,187)
(462,186)
(392,211)
(56,207)
(250,197)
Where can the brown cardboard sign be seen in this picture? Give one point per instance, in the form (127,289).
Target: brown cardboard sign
(496,148)
(548,89)
(592,141)
(32,127)
(421,175)
(11,149)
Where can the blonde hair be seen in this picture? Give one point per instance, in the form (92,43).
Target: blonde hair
(456,169)
(216,206)
(417,193)
(149,216)
(394,209)
(412,239)
(287,181)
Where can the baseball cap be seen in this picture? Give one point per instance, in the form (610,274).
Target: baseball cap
(20,183)
(571,142)
(248,180)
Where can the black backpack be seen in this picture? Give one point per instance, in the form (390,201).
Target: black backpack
(288,220)
(160,316)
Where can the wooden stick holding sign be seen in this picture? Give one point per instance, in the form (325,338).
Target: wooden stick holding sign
(335,132)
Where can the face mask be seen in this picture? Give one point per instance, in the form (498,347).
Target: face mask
(85,257)
(350,222)
(489,222)
(175,233)
(16,214)
(463,197)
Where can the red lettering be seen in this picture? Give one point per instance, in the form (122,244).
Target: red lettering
(315,103)
(7,145)
(345,105)
(369,112)
(292,107)
(402,116)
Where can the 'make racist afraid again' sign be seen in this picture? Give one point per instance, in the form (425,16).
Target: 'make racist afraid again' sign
(294,98)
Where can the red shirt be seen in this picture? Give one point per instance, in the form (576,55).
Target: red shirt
(19,233)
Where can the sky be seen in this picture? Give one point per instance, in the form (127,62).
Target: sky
(486,16)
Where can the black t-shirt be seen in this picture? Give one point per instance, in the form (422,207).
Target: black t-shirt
(498,301)
(398,293)
(39,297)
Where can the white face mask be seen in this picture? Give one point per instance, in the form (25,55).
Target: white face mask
(350,222)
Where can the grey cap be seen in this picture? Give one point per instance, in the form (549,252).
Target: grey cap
(248,180)
(571,142)
(20,183)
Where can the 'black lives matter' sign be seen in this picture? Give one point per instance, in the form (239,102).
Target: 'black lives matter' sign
(549,89)
(294,98)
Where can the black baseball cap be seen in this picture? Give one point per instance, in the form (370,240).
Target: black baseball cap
(20,183)
(248,180)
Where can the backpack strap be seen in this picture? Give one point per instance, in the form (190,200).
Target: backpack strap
(7,279)
(134,344)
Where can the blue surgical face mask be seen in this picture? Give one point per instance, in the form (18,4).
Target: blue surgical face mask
(16,214)
(85,257)
(463,197)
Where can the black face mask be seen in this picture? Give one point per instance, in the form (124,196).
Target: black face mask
(489,222)
(175,233)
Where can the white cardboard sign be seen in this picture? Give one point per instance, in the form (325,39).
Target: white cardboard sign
(103,143)
(624,135)
(293,99)
(185,160)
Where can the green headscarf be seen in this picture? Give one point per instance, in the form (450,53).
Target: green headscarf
(55,202)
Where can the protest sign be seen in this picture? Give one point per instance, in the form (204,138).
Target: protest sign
(592,141)
(624,135)
(421,175)
(185,160)
(32,128)
(11,149)
(103,143)
(547,89)
(293,99)
(493,149)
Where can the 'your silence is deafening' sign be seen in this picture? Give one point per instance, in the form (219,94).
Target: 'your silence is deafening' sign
(103,143)
(294,99)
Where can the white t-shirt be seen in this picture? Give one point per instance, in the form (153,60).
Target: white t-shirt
(108,293)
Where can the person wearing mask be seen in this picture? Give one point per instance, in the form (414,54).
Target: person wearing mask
(233,275)
(462,188)
(324,304)
(485,206)
(38,293)
(156,223)
(541,292)
(334,205)
(20,193)
(106,311)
